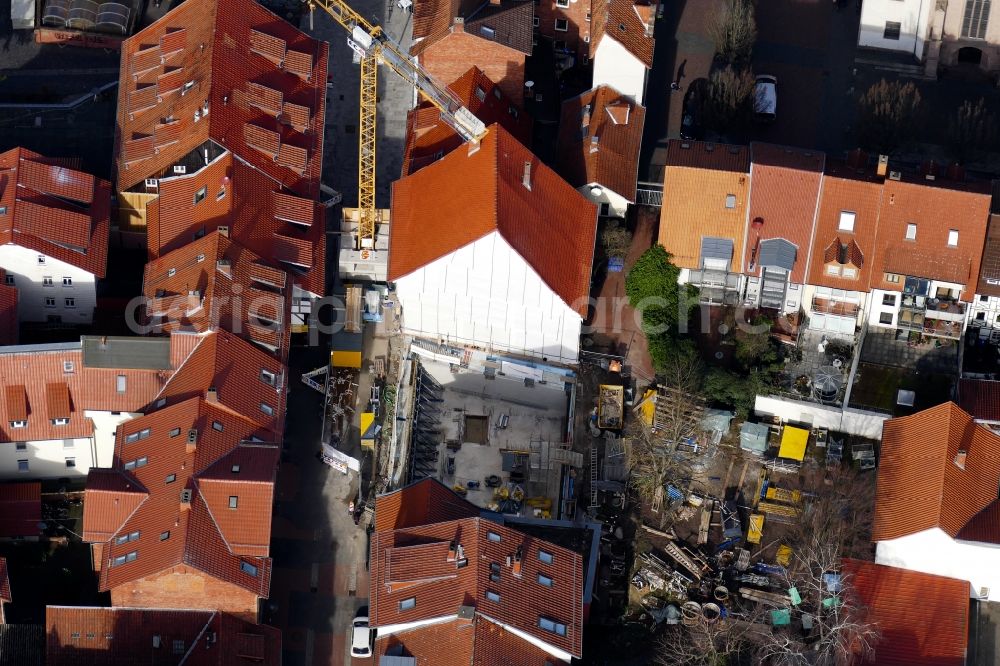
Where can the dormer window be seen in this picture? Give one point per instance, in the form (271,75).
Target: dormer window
(847,221)
(19,424)
(60,422)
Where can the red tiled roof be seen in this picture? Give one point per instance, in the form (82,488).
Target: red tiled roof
(4,582)
(989,274)
(20,509)
(226,369)
(228,51)
(428,137)
(188,441)
(845,191)
(612,161)
(980,398)
(484,191)
(54,210)
(423,502)
(921,484)
(112,498)
(42,385)
(8,312)
(455,643)
(625,21)
(936,208)
(509,20)
(89,636)
(923,619)
(412,561)
(784,192)
(251,208)
(214,282)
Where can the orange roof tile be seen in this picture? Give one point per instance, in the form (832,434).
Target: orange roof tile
(923,482)
(509,22)
(55,210)
(626,23)
(843,191)
(927,204)
(111,499)
(484,190)
(698,179)
(980,398)
(922,618)
(600,133)
(214,282)
(4,581)
(81,635)
(228,51)
(182,442)
(20,509)
(55,383)
(420,503)
(784,194)
(429,138)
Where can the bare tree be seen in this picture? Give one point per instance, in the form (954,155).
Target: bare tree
(728,99)
(972,129)
(733,29)
(887,114)
(841,513)
(726,641)
(840,625)
(653,457)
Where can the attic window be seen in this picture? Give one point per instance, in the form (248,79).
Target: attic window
(248,568)
(621,26)
(164,535)
(217,425)
(545,580)
(480,94)
(267,409)
(495,572)
(496,92)
(552,626)
(493,596)
(407,604)
(847,220)
(174,432)
(234,501)
(544,557)
(953,238)
(200,195)
(268,377)
(730,201)
(487,32)
(493,536)
(121,382)
(171,478)
(177,646)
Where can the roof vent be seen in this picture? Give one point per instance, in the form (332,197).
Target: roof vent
(156,640)
(211,395)
(895,175)
(192,436)
(186,496)
(526,180)
(960,459)
(930,176)
(595,143)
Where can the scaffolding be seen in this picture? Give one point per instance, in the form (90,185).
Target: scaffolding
(425,433)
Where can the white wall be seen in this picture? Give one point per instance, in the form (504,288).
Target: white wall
(822,321)
(46,459)
(851,421)
(486,295)
(28,274)
(616,67)
(914,15)
(932,551)
(105,425)
(617,204)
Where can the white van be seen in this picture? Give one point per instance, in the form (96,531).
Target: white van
(765,100)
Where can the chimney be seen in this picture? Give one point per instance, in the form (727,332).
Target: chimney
(452,552)
(192,441)
(495,3)
(585,121)
(517,562)
(594,143)
(211,395)
(526,181)
(458,24)
(186,499)
(883,165)
(465,616)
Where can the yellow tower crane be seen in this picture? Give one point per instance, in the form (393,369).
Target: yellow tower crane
(375,47)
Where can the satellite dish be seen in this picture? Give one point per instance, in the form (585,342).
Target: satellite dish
(529,84)
(596,191)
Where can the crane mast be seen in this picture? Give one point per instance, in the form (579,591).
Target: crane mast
(374,47)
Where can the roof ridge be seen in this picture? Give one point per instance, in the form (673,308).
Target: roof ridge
(204,336)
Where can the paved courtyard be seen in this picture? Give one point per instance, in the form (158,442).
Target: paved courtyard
(882,347)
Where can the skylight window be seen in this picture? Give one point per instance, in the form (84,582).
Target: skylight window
(407,604)
(248,568)
(545,557)
(847,220)
(552,626)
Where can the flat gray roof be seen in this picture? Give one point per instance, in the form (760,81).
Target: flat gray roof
(126,353)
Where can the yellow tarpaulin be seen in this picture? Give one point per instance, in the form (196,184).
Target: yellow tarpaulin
(793,443)
(648,407)
(784,555)
(345,359)
(756,528)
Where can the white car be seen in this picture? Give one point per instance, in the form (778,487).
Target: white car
(361,635)
(765,101)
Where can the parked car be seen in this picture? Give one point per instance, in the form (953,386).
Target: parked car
(362,636)
(765,101)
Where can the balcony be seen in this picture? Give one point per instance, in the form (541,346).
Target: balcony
(840,308)
(952,311)
(715,286)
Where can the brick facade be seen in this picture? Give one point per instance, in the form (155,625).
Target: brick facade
(185,587)
(577,15)
(450,57)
